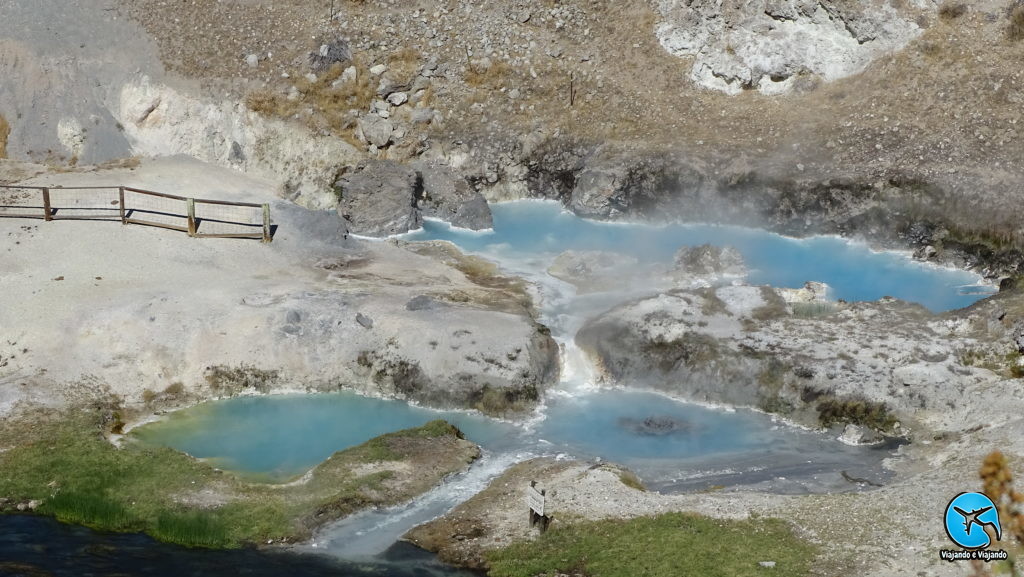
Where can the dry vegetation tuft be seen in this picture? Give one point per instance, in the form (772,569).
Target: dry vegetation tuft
(329,105)
(404,63)
(951,10)
(1016,29)
(493,76)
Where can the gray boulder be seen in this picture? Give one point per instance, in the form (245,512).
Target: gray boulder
(376,130)
(449,197)
(616,183)
(379,199)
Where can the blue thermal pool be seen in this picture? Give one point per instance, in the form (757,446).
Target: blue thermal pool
(853,271)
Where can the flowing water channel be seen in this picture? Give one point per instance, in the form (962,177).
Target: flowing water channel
(279,437)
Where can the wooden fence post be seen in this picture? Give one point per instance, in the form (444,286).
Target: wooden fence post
(46,205)
(120,194)
(266,223)
(190,203)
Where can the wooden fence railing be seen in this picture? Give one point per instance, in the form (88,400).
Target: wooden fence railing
(198,217)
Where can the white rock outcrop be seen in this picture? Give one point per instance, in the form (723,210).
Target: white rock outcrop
(160,121)
(769,44)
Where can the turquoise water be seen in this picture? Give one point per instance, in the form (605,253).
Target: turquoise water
(280,437)
(283,436)
(855,273)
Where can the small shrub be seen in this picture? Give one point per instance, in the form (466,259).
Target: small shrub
(951,10)
(812,310)
(1016,28)
(630,480)
(222,378)
(775,404)
(148,396)
(855,411)
(174,389)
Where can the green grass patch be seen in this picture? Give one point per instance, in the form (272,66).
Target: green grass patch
(79,477)
(670,545)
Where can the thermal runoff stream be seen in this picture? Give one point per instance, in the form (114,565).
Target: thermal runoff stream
(278,438)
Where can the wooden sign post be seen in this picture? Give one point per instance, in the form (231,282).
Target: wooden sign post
(535,499)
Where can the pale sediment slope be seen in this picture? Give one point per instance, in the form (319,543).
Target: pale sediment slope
(96,309)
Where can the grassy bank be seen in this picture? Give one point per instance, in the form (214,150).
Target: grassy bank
(669,545)
(79,477)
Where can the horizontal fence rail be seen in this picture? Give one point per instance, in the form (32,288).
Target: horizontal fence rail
(198,217)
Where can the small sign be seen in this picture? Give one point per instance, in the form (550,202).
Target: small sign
(535,499)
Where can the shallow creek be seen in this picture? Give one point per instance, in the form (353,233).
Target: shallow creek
(690,447)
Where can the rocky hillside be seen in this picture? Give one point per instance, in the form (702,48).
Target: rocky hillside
(895,120)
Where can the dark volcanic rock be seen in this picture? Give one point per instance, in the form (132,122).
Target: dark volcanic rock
(449,197)
(329,54)
(652,187)
(379,200)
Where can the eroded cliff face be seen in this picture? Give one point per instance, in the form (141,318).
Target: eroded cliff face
(777,45)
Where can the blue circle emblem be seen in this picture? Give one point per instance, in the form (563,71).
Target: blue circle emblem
(967,516)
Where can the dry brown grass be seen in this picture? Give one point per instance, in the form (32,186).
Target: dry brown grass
(330,105)
(403,64)
(950,10)
(5,131)
(493,77)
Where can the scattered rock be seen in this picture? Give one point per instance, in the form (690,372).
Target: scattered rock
(389,84)
(422,115)
(927,252)
(378,69)
(364,321)
(398,98)
(858,435)
(811,292)
(337,51)
(348,75)
(252,61)
(708,259)
(766,564)
(376,130)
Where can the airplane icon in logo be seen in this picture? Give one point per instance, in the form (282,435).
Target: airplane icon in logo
(971,519)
